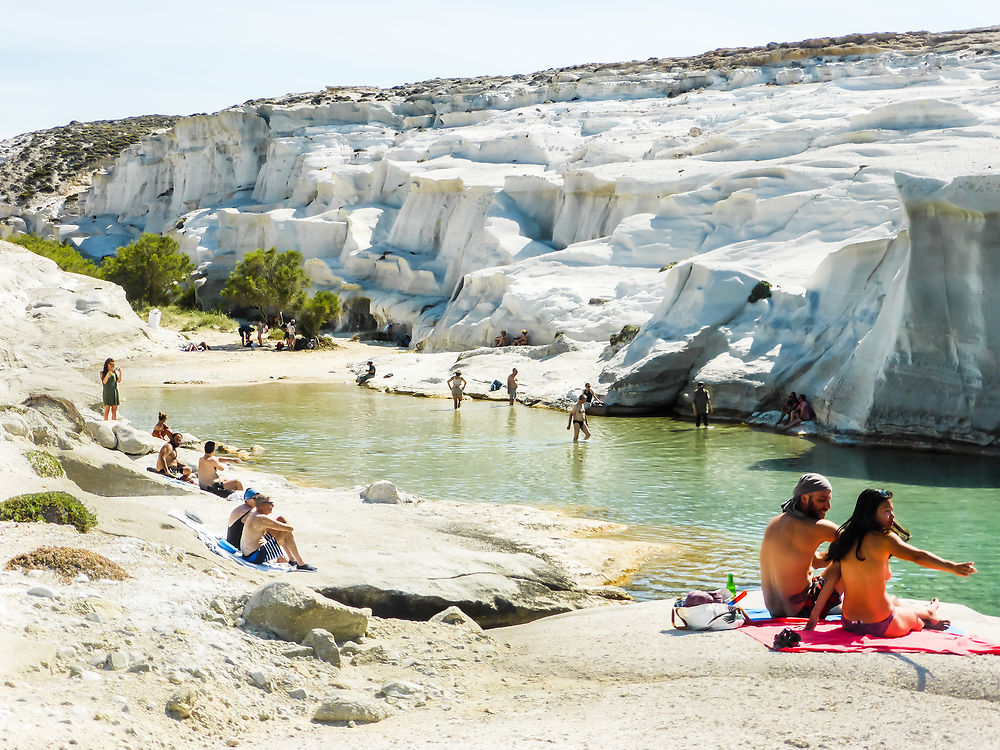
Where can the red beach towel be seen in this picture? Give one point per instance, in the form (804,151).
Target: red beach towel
(831,636)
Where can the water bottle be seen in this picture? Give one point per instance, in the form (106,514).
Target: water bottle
(731,586)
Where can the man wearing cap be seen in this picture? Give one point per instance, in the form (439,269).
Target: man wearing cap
(788,551)
(521,340)
(368,374)
(269,539)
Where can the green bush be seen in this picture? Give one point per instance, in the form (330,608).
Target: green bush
(44,464)
(317,312)
(150,270)
(66,257)
(762,290)
(48,507)
(272,282)
(626,334)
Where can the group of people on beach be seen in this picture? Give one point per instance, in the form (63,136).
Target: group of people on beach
(855,567)
(260,537)
(504,340)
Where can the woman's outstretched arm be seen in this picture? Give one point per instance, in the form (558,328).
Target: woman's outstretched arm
(902,550)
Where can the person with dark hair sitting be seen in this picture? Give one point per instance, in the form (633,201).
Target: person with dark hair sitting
(209,468)
(860,557)
(161,430)
(167,462)
(791,404)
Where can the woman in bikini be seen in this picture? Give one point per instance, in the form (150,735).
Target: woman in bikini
(161,430)
(860,557)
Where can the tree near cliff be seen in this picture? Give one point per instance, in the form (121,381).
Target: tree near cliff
(317,312)
(150,270)
(270,281)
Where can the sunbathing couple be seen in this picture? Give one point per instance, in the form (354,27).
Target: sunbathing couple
(261,537)
(796,410)
(857,563)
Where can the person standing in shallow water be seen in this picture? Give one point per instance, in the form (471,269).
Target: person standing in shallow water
(111,376)
(701,405)
(457,384)
(860,557)
(512,386)
(578,419)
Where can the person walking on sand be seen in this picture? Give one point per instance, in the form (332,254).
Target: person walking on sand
(261,330)
(512,385)
(457,384)
(578,418)
(265,539)
(788,550)
(701,405)
(111,376)
(209,468)
(860,558)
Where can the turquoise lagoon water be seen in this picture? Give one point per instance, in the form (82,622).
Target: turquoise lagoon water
(709,492)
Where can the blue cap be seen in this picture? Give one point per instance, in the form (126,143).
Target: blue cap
(250,492)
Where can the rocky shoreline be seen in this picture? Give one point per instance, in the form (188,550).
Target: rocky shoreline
(175,656)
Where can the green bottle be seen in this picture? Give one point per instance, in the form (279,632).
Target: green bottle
(731,585)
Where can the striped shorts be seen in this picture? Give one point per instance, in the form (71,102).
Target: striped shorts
(267,552)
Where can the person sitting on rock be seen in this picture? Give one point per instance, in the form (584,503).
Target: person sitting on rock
(791,404)
(502,340)
(860,562)
(208,473)
(234,528)
(802,413)
(789,551)
(368,374)
(590,396)
(167,462)
(521,340)
(265,539)
(161,430)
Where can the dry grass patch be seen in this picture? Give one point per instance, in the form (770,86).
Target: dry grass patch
(68,562)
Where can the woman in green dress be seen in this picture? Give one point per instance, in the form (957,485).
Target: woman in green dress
(111,376)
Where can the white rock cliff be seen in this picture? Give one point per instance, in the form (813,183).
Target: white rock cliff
(858,184)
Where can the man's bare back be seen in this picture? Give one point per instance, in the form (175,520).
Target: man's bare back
(788,550)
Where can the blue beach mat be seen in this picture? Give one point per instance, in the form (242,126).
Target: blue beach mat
(220,546)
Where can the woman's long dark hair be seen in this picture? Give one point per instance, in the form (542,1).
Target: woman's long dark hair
(104,371)
(852,533)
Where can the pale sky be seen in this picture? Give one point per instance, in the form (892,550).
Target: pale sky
(104,59)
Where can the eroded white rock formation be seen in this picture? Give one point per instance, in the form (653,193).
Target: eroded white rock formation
(583,201)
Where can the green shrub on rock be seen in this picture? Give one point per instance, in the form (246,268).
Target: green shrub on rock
(762,290)
(625,335)
(44,464)
(48,507)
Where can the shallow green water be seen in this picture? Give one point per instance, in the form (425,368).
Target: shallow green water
(711,492)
